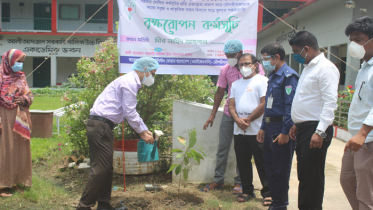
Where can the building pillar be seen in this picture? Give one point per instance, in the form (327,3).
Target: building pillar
(53,71)
(351,73)
(110,17)
(260,16)
(54,16)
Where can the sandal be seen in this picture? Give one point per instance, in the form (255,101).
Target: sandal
(267,201)
(19,189)
(5,193)
(235,189)
(207,187)
(245,197)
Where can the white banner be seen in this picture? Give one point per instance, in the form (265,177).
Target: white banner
(185,36)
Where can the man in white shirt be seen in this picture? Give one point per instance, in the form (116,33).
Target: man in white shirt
(357,162)
(246,106)
(312,112)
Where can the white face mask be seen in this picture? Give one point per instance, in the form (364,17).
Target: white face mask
(246,71)
(148,81)
(233,61)
(356,50)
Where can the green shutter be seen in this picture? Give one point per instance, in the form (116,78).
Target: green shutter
(5,12)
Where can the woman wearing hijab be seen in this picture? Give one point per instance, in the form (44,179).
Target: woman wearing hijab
(15,124)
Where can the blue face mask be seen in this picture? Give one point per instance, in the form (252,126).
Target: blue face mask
(17,67)
(268,67)
(299,58)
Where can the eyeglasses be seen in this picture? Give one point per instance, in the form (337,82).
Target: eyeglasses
(245,64)
(267,57)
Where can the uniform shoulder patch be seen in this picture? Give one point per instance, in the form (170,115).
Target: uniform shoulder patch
(288,89)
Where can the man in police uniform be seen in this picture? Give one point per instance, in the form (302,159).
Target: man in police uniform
(274,131)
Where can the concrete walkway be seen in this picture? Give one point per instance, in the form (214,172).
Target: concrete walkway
(334,198)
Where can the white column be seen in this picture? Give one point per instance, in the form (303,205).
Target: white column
(53,71)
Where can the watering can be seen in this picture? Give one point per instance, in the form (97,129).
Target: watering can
(148,152)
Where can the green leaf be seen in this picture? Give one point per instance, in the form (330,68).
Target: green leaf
(171,168)
(185,173)
(181,140)
(186,162)
(178,169)
(197,154)
(176,150)
(189,155)
(179,155)
(192,138)
(201,150)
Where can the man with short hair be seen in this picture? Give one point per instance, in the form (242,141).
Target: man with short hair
(312,112)
(116,103)
(229,73)
(246,106)
(357,162)
(274,131)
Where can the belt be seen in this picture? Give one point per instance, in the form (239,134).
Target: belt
(306,124)
(102,119)
(274,119)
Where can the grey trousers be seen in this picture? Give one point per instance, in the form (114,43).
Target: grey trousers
(225,142)
(98,188)
(357,177)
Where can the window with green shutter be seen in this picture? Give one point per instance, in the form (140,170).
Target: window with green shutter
(69,12)
(5,12)
(100,17)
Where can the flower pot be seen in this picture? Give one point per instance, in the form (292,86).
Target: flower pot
(129,145)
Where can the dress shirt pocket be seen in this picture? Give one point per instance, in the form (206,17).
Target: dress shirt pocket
(365,92)
(278,95)
(309,85)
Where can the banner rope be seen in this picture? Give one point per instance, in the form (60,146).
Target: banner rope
(298,31)
(68,38)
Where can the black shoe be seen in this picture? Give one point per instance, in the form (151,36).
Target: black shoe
(83,208)
(107,206)
(272,208)
(112,208)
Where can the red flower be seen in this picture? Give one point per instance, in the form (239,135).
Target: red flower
(343,96)
(350,87)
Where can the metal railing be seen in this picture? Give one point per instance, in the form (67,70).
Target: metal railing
(27,24)
(93,26)
(341,114)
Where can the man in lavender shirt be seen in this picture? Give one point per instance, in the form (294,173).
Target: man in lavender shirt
(115,104)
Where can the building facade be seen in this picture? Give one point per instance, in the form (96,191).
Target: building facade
(38,27)
(327,20)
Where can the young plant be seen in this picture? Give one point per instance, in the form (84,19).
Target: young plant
(188,153)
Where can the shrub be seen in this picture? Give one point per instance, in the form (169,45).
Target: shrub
(154,103)
(344,102)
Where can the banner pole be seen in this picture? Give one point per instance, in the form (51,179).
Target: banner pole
(124,166)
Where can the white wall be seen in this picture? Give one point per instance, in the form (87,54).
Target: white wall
(65,67)
(189,115)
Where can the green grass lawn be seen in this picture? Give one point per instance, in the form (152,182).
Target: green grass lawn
(46,103)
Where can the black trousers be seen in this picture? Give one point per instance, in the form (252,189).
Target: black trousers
(98,188)
(245,147)
(311,166)
(278,161)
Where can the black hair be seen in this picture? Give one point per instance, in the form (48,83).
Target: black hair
(304,38)
(363,25)
(253,59)
(273,49)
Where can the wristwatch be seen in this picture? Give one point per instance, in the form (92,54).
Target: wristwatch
(321,133)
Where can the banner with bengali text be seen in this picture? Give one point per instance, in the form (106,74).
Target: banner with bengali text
(184,36)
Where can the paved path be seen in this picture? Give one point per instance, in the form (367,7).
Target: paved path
(334,198)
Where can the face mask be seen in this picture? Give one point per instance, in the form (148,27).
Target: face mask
(148,81)
(299,58)
(232,61)
(356,50)
(246,71)
(268,67)
(17,67)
